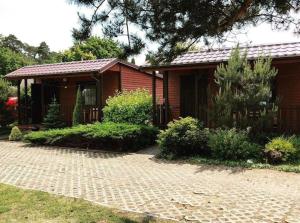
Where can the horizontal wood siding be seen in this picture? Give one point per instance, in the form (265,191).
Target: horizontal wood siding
(133,79)
(288,91)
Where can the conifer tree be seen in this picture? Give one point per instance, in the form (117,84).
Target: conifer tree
(78,109)
(53,118)
(245,93)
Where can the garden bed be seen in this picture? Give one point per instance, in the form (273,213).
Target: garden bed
(107,136)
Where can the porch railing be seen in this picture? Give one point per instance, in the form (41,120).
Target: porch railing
(90,113)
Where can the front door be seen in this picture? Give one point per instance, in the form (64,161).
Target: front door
(193,96)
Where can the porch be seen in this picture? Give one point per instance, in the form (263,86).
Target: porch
(189,92)
(95,88)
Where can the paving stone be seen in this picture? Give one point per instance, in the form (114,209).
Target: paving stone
(137,182)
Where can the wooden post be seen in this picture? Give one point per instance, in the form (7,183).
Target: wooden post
(99,82)
(43,99)
(154,97)
(19,102)
(166,95)
(26,100)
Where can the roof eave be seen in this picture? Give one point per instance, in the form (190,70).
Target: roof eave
(166,67)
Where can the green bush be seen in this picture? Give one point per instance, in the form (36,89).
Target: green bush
(280,149)
(109,136)
(15,134)
(185,136)
(129,107)
(231,144)
(53,118)
(296,142)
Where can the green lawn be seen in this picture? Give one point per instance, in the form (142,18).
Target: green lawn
(18,205)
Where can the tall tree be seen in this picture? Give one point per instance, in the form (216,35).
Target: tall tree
(10,60)
(93,48)
(245,95)
(168,22)
(15,54)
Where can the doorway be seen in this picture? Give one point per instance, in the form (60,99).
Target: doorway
(193,96)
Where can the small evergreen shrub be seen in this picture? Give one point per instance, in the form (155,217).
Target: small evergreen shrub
(108,136)
(78,109)
(232,144)
(279,150)
(296,142)
(185,136)
(15,134)
(129,107)
(53,118)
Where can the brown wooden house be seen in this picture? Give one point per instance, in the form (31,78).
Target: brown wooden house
(188,82)
(98,79)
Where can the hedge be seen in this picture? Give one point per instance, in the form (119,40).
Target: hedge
(108,136)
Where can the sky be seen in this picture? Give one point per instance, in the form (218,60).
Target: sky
(34,21)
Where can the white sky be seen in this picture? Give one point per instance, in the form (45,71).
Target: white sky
(34,21)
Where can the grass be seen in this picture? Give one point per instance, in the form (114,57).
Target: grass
(287,167)
(18,205)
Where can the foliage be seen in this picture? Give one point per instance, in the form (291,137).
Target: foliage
(245,93)
(5,87)
(93,48)
(53,118)
(6,115)
(279,150)
(232,144)
(10,61)
(296,143)
(286,167)
(171,22)
(15,134)
(78,109)
(185,136)
(15,54)
(22,206)
(129,106)
(114,136)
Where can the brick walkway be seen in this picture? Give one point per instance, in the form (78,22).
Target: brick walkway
(136,182)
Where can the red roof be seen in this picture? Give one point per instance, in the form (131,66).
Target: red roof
(100,66)
(282,50)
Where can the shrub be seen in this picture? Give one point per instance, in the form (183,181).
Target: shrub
(185,136)
(280,149)
(296,142)
(78,109)
(15,134)
(53,119)
(129,107)
(110,136)
(231,144)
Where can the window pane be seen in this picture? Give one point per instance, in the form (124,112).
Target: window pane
(89,94)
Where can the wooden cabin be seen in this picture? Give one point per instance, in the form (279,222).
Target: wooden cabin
(188,82)
(97,79)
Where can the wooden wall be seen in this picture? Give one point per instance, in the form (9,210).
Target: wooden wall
(287,89)
(132,79)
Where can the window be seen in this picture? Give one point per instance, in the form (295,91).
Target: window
(89,93)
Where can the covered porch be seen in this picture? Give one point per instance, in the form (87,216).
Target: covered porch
(188,90)
(37,86)
(95,89)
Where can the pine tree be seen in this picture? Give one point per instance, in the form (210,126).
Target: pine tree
(78,109)
(53,119)
(245,93)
